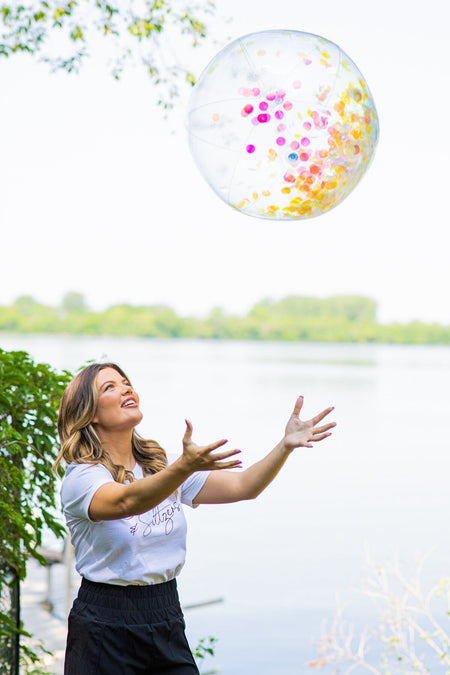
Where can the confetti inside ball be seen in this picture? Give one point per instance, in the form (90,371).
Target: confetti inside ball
(282,125)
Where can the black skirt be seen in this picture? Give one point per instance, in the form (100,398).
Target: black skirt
(122,630)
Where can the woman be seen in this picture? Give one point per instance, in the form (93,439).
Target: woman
(122,500)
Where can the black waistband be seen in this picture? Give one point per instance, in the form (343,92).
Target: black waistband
(149,596)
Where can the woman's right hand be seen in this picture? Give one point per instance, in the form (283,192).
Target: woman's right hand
(203,458)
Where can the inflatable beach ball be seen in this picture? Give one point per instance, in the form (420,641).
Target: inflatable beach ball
(282,125)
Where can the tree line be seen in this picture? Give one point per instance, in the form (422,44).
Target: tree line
(340,318)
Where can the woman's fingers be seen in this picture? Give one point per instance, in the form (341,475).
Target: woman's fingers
(219,463)
(214,446)
(219,456)
(321,415)
(298,406)
(324,427)
(235,464)
(188,433)
(315,420)
(319,437)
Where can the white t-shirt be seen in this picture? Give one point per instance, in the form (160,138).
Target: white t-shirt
(146,549)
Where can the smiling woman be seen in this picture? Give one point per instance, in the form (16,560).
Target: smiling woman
(122,498)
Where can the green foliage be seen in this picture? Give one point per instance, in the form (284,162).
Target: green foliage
(340,318)
(29,399)
(204,649)
(73,302)
(63,34)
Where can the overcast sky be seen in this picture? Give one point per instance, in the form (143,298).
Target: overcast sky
(100,195)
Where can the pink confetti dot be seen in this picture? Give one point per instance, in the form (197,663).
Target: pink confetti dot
(263,105)
(287,105)
(305,142)
(263,117)
(297,84)
(304,156)
(281,93)
(281,140)
(255,121)
(248,108)
(256,91)
(295,145)
(307,126)
(279,114)
(271,97)
(308,62)
(289,178)
(281,127)
(250,148)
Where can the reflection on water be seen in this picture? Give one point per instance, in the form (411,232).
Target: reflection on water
(379,484)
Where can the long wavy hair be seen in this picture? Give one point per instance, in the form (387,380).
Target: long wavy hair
(79,440)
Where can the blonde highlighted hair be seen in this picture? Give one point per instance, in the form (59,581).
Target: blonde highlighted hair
(79,440)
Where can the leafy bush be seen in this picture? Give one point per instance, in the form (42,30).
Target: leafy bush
(29,399)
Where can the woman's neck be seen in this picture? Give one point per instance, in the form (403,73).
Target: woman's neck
(119,448)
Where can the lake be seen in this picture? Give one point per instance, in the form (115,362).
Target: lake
(378,487)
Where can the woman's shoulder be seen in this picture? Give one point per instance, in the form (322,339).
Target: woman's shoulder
(85,474)
(82,480)
(78,468)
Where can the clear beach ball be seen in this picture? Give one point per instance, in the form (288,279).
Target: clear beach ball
(282,125)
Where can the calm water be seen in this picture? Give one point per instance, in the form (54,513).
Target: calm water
(379,485)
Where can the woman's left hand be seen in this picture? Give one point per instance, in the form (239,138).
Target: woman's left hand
(303,434)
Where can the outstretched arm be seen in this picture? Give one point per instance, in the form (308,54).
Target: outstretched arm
(225,486)
(116,500)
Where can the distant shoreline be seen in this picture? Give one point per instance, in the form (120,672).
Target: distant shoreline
(341,319)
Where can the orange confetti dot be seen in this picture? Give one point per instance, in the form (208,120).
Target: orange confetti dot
(215,117)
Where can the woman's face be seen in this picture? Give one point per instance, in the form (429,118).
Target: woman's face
(117,405)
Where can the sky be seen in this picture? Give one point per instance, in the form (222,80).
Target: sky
(100,193)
